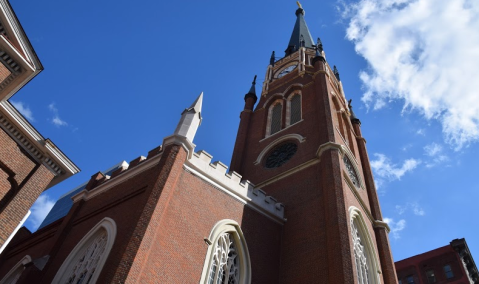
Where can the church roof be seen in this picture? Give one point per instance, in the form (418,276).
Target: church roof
(301,35)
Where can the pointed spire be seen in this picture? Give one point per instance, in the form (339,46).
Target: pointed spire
(272,59)
(319,51)
(301,35)
(353,117)
(336,73)
(252,91)
(190,120)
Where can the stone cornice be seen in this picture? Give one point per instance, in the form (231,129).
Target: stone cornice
(41,149)
(231,183)
(110,183)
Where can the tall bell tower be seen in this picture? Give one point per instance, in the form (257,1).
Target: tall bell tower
(302,144)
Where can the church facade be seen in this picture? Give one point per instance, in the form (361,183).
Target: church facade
(297,205)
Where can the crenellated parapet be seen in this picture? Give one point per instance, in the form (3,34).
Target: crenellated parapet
(217,174)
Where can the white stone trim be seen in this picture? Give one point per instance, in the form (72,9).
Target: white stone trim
(232,227)
(298,137)
(288,107)
(15,231)
(283,94)
(373,260)
(231,183)
(41,149)
(26,259)
(109,226)
(343,150)
(270,117)
(128,174)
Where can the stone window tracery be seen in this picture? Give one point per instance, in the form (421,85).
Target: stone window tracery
(84,263)
(87,261)
(225,267)
(227,259)
(360,255)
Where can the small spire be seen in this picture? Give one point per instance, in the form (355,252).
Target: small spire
(336,73)
(319,45)
(190,120)
(353,117)
(319,52)
(301,37)
(271,60)
(252,91)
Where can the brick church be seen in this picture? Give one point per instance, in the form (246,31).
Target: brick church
(297,205)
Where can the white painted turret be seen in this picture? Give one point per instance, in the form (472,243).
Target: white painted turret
(190,120)
(187,126)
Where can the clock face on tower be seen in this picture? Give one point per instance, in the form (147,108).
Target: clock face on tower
(286,70)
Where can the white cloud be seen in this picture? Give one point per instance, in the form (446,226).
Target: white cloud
(425,53)
(56,120)
(40,209)
(413,206)
(395,227)
(421,132)
(23,109)
(384,169)
(435,152)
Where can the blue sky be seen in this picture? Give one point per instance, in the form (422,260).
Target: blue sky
(117,76)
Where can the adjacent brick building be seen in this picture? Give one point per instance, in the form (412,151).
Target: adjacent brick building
(448,264)
(29,163)
(298,204)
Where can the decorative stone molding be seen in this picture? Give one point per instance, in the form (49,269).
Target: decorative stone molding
(41,149)
(15,273)
(357,222)
(231,183)
(233,229)
(266,149)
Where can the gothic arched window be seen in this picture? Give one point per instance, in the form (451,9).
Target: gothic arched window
(365,258)
(225,266)
(295,109)
(83,265)
(14,274)
(360,256)
(275,124)
(227,259)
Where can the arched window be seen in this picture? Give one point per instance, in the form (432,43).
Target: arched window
(365,258)
(295,109)
(360,256)
(276,118)
(83,265)
(14,274)
(227,260)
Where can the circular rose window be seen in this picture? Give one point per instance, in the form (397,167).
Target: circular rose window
(280,155)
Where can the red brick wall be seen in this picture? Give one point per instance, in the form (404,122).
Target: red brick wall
(435,260)
(4,72)
(31,179)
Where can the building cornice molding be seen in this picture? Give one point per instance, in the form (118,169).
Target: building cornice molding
(231,183)
(41,149)
(122,177)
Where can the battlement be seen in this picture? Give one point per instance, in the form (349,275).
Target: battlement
(232,183)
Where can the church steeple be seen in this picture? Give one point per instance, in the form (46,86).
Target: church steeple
(301,37)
